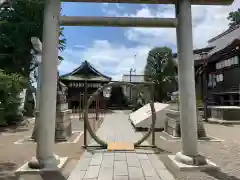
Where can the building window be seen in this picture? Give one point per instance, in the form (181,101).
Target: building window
(219,77)
(212,80)
(227,63)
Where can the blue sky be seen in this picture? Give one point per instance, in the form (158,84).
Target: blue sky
(113,51)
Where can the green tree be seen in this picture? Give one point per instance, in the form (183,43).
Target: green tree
(161,69)
(18,24)
(234,18)
(10,87)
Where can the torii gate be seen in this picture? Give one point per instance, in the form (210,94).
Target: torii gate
(183,24)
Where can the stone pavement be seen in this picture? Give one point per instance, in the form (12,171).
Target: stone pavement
(141,164)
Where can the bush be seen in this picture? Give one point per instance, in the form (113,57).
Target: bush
(10,87)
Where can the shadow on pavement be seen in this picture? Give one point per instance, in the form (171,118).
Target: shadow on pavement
(218,174)
(7,166)
(52,176)
(57,175)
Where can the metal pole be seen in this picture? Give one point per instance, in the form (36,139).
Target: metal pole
(48,93)
(130,80)
(153,130)
(205,92)
(85,114)
(188,113)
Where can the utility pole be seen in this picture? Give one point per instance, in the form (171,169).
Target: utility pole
(205,85)
(130,80)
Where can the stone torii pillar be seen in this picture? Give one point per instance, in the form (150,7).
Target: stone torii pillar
(46,158)
(188,116)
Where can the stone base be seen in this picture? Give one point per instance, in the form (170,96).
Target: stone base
(63,125)
(219,121)
(63,129)
(25,169)
(172,124)
(187,163)
(62,107)
(227,113)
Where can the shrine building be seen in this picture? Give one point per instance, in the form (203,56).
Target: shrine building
(220,60)
(76,80)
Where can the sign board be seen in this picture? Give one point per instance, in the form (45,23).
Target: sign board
(89,85)
(142,118)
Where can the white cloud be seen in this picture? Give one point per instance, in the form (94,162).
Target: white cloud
(66,66)
(108,57)
(208,21)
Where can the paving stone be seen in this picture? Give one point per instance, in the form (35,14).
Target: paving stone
(76,175)
(142,156)
(107,161)
(135,173)
(157,163)
(120,156)
(129,154)
(144,151)
(102,165)
(153,178)
(121,178)
(165,174)
(92,172)
(120,168)
(148,168)
(133,161)
(83,164)
(106,173)
(87,154)
(96,160)
(108,154)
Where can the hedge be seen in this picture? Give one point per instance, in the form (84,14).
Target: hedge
(11,84)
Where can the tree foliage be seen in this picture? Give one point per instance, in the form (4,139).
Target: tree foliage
(160,68)
(10,87)
(234,18)
(18,24)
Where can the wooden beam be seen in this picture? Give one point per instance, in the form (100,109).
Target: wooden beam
(117,21)
(196,2)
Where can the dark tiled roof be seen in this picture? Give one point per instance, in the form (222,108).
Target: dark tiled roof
(223,33)
(197,51)
(77,74)
(223,40)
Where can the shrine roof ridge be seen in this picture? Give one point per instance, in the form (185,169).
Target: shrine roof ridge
(88,65)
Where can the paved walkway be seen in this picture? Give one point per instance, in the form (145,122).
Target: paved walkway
(142,164)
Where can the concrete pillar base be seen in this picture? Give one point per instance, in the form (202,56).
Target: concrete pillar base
(50,163)
(188,163)
(191,160)
(53,164)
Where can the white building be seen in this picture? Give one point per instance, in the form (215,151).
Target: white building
(134,79)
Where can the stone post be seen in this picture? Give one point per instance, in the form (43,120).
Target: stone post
(188,115)
(47,104)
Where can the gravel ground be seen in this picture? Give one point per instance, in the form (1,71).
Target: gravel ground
(12,156)
(225,154)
